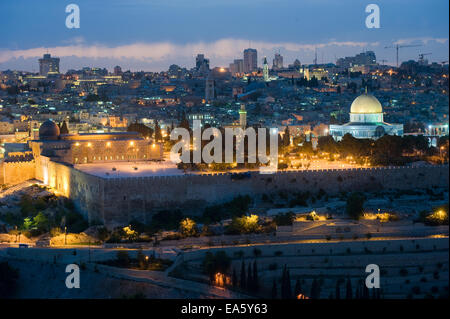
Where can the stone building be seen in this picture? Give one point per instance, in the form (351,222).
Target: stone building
(72,149)
(366,120)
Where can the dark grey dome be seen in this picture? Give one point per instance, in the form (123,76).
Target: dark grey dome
(49,130)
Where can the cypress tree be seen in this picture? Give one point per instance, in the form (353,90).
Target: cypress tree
(297,289)
(288,285)
(349,293)
(234,278)
(283,283)
(255,277)
(249,277)
(274,290)
(338,289)
(357,291)
(243,277)
(365,292)
(313,292)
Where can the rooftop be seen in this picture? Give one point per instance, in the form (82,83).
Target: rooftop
(130,169)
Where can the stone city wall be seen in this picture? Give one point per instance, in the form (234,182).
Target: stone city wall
(16,172)
(125,199)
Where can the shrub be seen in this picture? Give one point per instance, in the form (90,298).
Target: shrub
(123,259)
(278,253)
(355,205)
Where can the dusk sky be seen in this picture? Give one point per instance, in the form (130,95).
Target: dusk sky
(153,34)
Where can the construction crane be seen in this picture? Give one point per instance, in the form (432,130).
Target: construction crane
(421,59)
(402,46)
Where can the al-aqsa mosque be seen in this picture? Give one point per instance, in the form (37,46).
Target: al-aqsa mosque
(366,120)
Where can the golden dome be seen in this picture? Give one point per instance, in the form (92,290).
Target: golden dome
(366,104)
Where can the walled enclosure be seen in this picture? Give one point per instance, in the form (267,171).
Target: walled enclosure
(120,200)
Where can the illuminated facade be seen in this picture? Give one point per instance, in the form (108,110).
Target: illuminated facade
(48,65)
(366,121)
(92,148)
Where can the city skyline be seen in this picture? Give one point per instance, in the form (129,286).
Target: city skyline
(220,32)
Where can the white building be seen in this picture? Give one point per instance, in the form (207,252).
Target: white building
(366,120)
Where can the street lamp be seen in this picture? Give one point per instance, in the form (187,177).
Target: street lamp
(65,235)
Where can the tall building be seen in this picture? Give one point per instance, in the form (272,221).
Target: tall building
(202,64)
(48,65)
(237,66)
(364,58)
(209,89)
(250,60)
(277,62)
(117,70)
(265,70)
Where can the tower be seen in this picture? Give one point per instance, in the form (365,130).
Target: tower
(209,88)
(48,65)
(250,60)
(266,70)
(243,117)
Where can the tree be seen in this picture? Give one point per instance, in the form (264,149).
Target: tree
(184,122)
(298,288)
(255,277)
(315,293)
(64,129)
(234,281)
(243,277)
(158,136)
(338,289)
(216,263)
(188,227)
(123,260)
(286,137)
(250,283)
(274,290)
(349,292)
(144,130)
(327,144)
(355,205)
(40,221)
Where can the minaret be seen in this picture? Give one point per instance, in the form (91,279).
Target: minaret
(243,117)
(266,70)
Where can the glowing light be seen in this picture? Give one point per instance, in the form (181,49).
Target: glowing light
(89,144)
(77,144)
(131,143)
(108,144)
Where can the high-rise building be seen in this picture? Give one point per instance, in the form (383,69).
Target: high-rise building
(237,66)
(265,70)
(250,60)
(202,64)
(364,58)
(117,70)
(277,62)
(48,65)
(209,89)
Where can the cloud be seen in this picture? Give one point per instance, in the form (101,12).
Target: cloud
(160,51)
(421,40)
